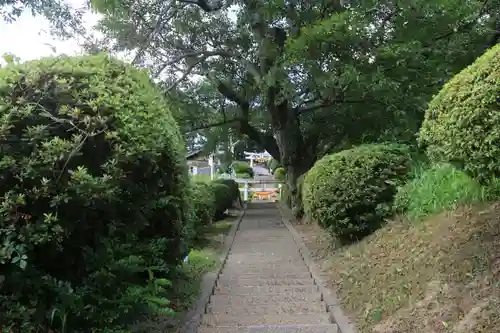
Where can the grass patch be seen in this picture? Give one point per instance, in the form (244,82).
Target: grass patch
(436,189)
(202,178)
(440,275)
(214,235)
(188,277)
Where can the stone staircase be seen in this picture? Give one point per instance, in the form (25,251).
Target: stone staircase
(265,286)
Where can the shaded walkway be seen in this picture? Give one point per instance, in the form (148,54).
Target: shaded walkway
(265,285)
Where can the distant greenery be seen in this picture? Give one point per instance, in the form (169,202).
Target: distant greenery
(241,167)
(201,178)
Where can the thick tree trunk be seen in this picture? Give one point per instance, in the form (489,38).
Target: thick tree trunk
(294,155)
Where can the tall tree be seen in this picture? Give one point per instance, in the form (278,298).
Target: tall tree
(299,74)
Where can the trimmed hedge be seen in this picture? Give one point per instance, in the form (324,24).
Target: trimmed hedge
(203,207)
(93,194)
(226,193)
(350,192)
(234,190)
(222,199)
(462,122)
(240,167)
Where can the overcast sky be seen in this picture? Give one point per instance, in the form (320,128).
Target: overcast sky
(29,37)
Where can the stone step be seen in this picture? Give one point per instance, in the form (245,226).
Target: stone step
(259,267)
(270,252)
(265,290)
(263,299)
(267,237)
(265,240)
(274,234)
(265,243)
(265,249)
(328,328)
(264,282)
(266,252)
(259,226)
(264,274)
(263,261)
(274,319)
(270,258)
(269,309)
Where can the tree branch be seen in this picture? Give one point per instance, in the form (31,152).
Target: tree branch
(331,102)
(216,124)
(201,56)
(463,26)
(205,5)
(495,37)
(266,141)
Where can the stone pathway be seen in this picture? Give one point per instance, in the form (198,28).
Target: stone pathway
(265,286)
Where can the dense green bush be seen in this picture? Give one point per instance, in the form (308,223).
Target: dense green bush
(279,174)
(350,193)
(436,189)
(234,190)
(223,200)
(203,207)
(462,122)
(243,176)
(93,195)
(240,167)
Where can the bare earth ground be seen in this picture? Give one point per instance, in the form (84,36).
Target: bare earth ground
(440,275)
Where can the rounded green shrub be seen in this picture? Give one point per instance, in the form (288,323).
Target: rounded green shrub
(240,167)
(350,192)
(234,189)
(93,193)
(203,205)
(279,174)
(462,122)
(223,201)
(244,176)
(232,194)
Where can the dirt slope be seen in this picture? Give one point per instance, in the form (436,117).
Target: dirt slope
(440,275)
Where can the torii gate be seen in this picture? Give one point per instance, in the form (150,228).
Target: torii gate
(253,156)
